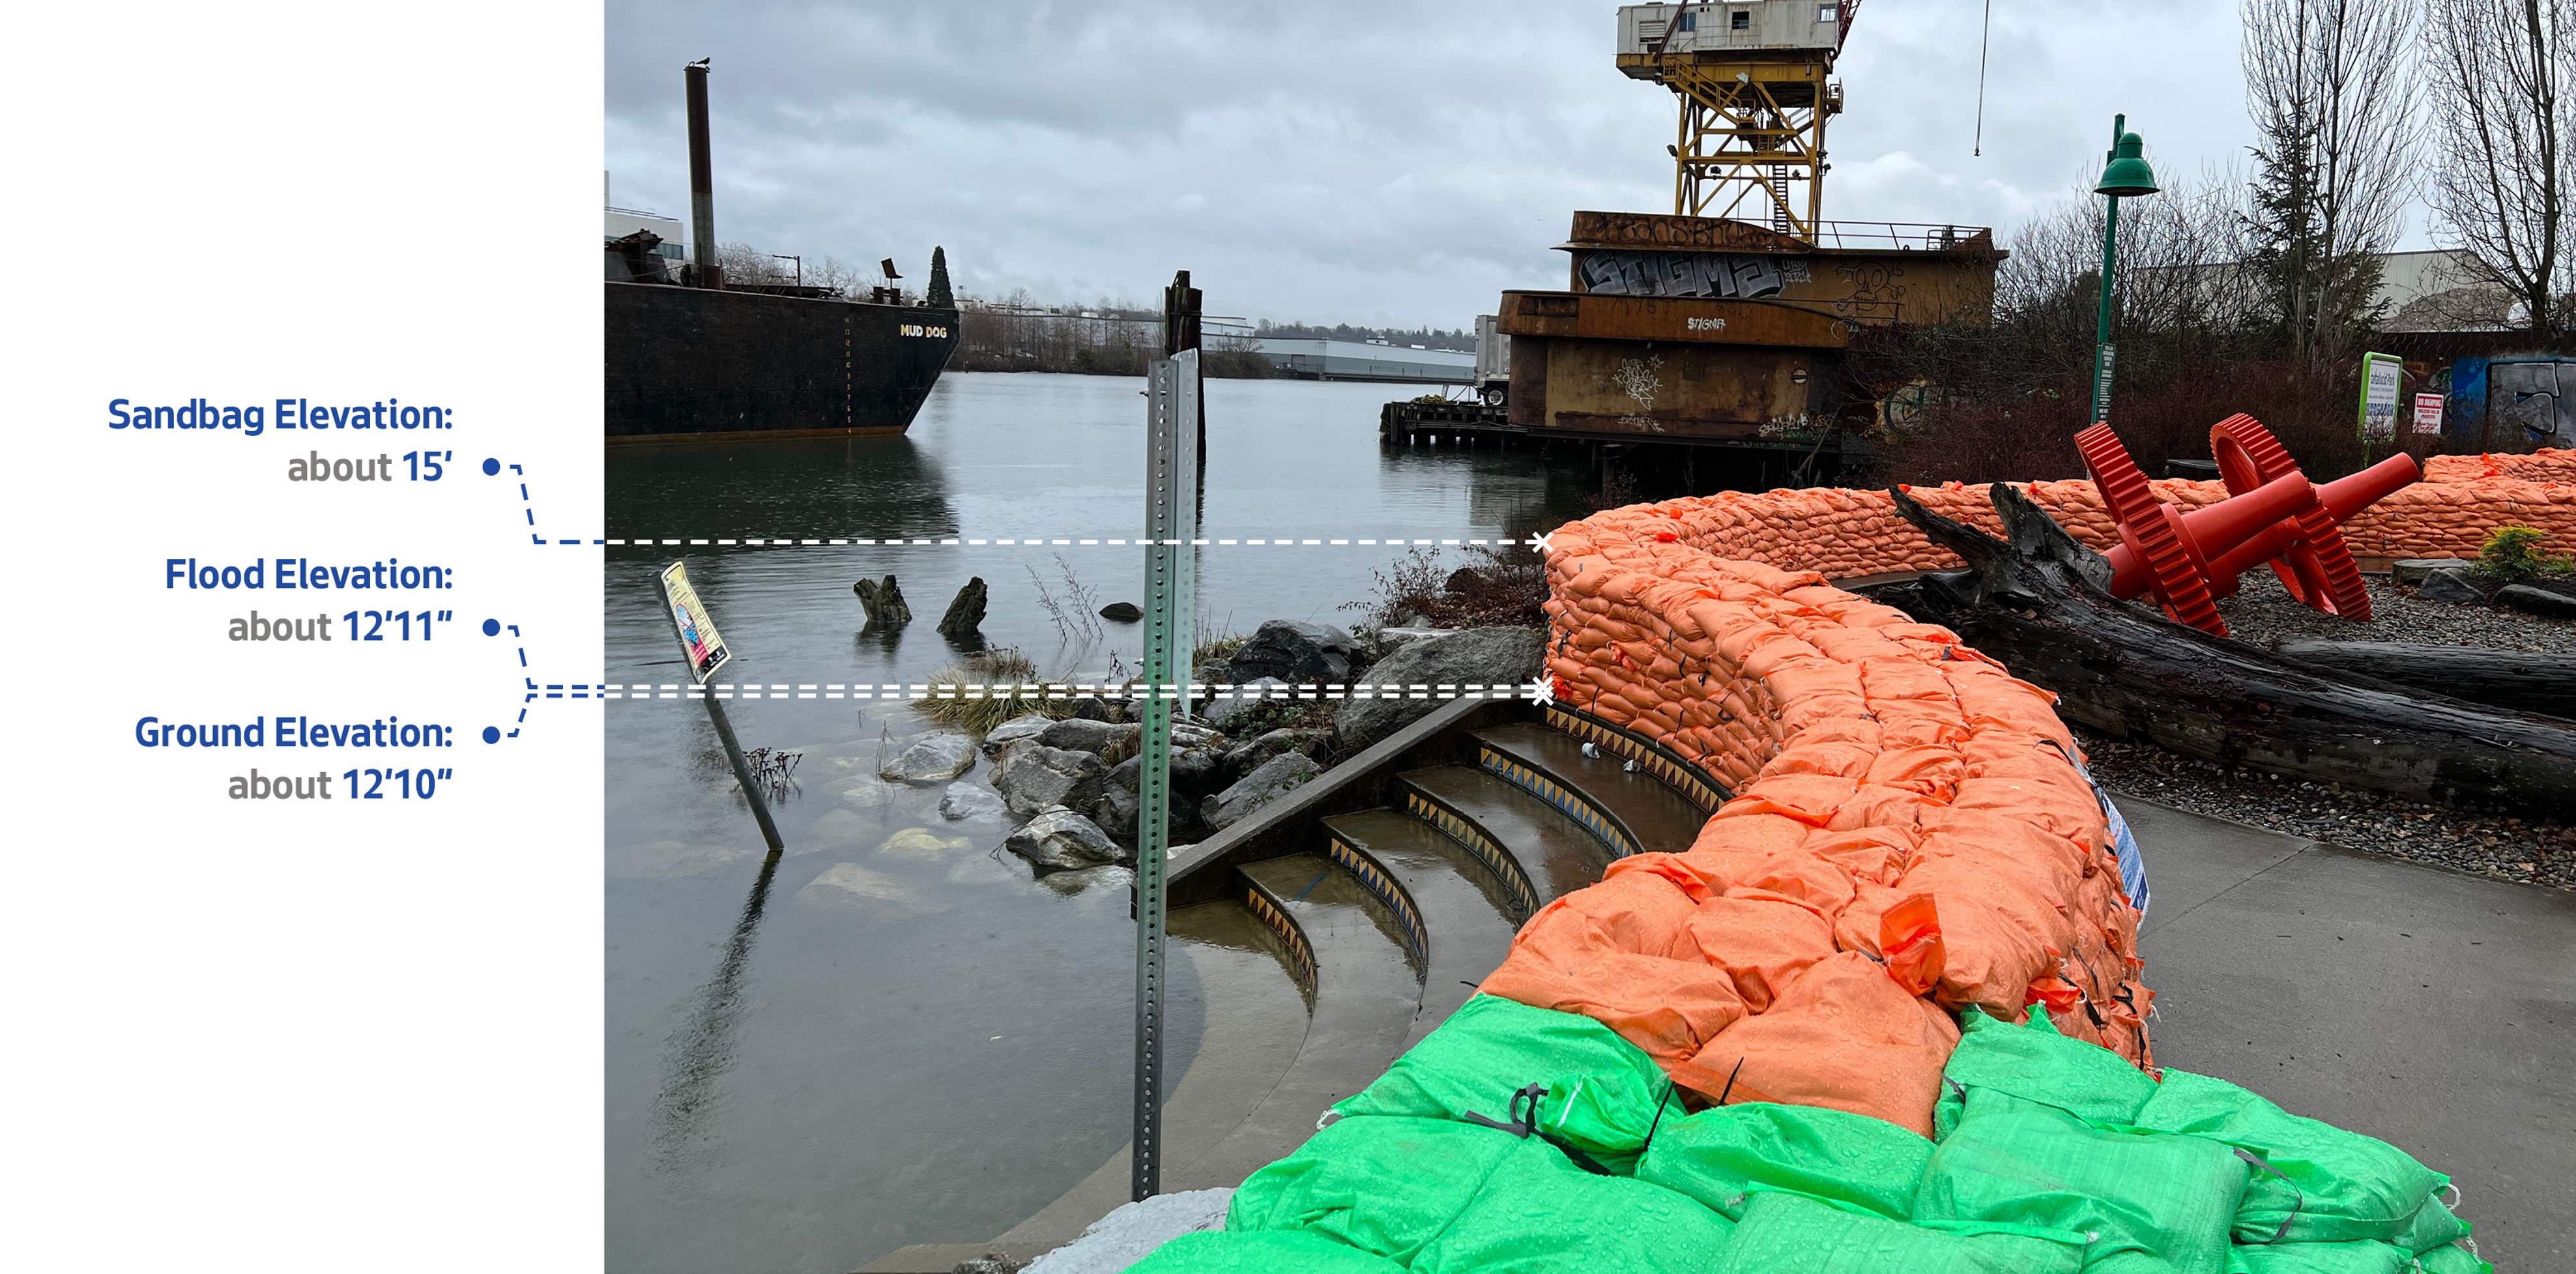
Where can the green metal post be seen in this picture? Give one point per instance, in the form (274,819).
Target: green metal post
(1171,522)
(2102,352)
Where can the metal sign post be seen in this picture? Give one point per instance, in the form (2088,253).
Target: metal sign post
(704,651)
(1171,522)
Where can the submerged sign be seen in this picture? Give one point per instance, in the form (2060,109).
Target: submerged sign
(699,641)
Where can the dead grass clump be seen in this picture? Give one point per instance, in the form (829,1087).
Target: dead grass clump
(988,689)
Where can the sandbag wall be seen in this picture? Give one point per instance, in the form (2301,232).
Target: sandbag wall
(1910,836)
(1846,533)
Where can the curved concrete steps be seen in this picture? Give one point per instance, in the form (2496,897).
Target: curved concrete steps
(1456,931)
(1365,994)
(1630,809)
(1528,846)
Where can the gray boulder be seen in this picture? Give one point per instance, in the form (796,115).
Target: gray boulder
(935,759)
(1033,776)
(1000,738)
(1116,812)
(850,887)
(1199,769)
(1294,650)
(1102,709)
(1397,637)
(1077,734)
(1267,782)
(1226,707)
(2451,586)
(2413,570)
(1245,757)
(1122,612)
(1485,657)
(2537,601)
(966,800)
(1060,840)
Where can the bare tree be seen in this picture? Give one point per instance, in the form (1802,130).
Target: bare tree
(2327,83)
(2497,74)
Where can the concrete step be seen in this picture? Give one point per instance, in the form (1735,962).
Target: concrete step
(1528,847)
(1255,1021)
(1630,811)
(1346,946)
(1457,932)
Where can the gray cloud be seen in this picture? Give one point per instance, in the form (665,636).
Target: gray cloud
(1393,163)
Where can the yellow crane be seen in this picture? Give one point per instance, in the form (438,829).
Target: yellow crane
(1754,83)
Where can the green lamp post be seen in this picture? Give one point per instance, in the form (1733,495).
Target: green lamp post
(2124,173)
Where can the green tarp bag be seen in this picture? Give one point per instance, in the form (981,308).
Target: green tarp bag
(2035,1063)
(1260,1252)
(1378,1183)
(1603,1092)
(2145,1202)
(1715,1155)
(2454,1259)
(1540,1214)
(2331,1185)
(1785,1233)
(2362,1256)
(2432,1226)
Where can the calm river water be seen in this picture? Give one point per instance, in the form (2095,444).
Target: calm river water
(801,1080)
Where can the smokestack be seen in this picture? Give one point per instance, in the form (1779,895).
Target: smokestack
(702,181)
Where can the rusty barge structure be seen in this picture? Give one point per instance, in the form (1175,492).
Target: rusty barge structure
(1716,343)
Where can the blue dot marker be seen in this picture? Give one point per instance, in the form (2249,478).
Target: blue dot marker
(491,628)
(490,466)
(491,734)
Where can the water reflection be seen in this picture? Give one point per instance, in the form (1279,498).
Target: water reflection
(704,1048)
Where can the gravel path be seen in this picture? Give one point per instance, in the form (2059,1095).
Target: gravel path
(2523,851)
(2263,613)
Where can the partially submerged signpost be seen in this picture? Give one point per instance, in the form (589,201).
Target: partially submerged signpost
(1171,491)
(704,651)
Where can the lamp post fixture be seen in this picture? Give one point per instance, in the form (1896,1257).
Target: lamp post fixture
(2124,172)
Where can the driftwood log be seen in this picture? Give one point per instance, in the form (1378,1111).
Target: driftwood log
(2038,603)
(965,617)
(2515,679)
(883,602)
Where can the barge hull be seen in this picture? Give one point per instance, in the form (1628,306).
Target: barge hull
(688,364)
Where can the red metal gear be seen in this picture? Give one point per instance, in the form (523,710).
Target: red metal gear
(2152,530)
(2317,567)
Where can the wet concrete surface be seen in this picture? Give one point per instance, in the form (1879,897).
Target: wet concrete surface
(2431,1009)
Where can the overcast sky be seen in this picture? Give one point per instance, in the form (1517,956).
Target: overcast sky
(1385,163)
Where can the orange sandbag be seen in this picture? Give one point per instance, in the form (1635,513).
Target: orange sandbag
(1842,1035)
(1670,1008)
(1760,940)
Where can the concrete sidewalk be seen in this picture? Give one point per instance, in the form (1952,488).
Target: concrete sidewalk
(2433,1010)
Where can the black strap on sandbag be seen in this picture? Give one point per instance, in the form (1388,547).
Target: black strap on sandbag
(2299,1197)
(1524,1124)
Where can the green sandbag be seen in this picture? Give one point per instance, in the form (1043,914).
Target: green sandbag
(1785,1233)
(1831,1154)
(1602,1090)
(1260,1252)
(2332,1186)
(1381,1184)
(2432,1226)
(2144,1201)
(2035,1063)
(2362,1256)
(2454,1259)
(1540,1214)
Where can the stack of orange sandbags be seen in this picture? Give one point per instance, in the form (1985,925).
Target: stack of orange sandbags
(1910,835)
